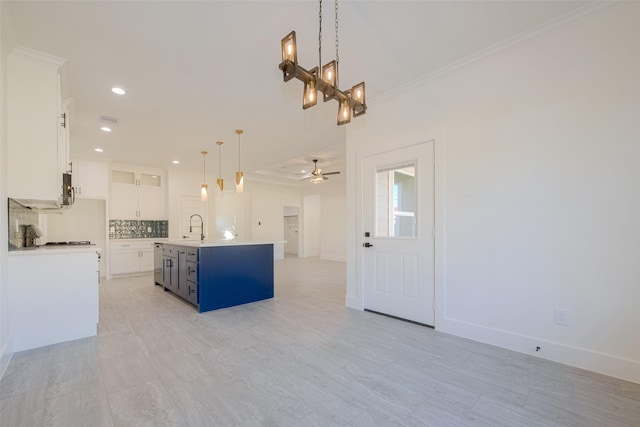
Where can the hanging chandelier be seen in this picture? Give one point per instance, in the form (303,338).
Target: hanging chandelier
(351,102)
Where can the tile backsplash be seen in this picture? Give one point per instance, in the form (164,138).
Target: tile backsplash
(136,229)
(19,215)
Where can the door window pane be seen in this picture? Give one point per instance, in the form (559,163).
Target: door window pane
(123,177)
(396,201)
(150,180)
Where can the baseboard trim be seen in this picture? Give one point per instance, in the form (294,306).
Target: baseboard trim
(6,356)
(399,318)
(333,258)
(605,364)
(353,302)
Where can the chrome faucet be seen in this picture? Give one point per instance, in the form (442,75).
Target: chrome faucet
(201,226)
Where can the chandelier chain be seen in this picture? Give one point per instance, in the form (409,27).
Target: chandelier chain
(337,42)
(320,38)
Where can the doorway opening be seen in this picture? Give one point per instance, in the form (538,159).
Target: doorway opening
(291,228)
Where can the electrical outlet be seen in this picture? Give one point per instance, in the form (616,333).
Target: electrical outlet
(562,317)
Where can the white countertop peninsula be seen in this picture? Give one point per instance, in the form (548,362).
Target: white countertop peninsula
(48,250)
(53,295)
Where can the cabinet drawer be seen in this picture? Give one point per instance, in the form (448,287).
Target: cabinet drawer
(192,293)
(169,250)
(192,255)
(192,272)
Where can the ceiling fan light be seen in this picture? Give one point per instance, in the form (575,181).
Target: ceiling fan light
(316,179)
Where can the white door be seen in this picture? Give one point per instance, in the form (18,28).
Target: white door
(398,242)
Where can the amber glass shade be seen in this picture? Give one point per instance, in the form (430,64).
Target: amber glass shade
(310,94)
(289,48)
(203,192)
(344,112)
(239,182)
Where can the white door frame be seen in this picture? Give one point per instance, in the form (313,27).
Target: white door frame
(355,294)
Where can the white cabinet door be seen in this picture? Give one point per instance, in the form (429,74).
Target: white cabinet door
(137,195)
(32,139)
(90,179)
(124,202)
(125,261)
(150,203)
(146,258)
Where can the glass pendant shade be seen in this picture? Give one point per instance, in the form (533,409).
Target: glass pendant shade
(310,94)
(344,112)
(239,174)
(239,182)
(289,49)
(330,76)
(219,181)
(205,187)
(358,94)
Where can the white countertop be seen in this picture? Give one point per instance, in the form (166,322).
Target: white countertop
(45,250)
(215,243)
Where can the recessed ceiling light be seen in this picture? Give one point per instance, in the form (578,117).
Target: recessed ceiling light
(105,129)
(118,91)
(99,150)
(303,171)
(176,162)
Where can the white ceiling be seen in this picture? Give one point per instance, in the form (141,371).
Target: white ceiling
(196,71)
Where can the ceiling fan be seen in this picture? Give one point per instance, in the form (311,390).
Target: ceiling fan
(317,176)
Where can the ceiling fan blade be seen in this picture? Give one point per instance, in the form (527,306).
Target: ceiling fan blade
(331,173)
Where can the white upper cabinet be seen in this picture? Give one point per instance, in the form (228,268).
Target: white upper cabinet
(36,158)
(137,193)
(90,178)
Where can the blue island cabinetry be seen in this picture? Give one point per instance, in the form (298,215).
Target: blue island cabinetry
(213,276)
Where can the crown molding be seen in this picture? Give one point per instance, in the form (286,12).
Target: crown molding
(39,55)
(577,14)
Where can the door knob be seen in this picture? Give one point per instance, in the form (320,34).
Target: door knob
(367,245)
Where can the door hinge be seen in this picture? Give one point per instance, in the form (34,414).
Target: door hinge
(63,116)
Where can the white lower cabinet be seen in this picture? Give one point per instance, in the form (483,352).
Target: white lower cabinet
(131,258)
(54,296)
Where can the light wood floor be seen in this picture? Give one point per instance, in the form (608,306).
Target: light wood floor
(301,359)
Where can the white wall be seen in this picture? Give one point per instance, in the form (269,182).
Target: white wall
(267,206)
(187,183)
(311,225)
(537,190)
(333,216)
(85,220)
(6,350)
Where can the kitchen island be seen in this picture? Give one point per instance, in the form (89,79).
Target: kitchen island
(214,275)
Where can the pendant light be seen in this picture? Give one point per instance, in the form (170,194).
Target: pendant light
(205,187)
(220,181)
(239,174)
